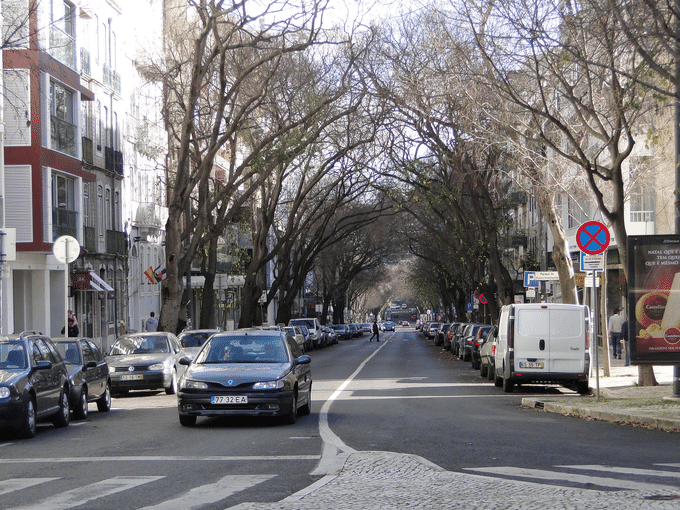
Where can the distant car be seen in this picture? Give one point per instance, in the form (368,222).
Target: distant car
(406,324)
(331,335)
(388,326)
(432,328)
(466,340)
(478,341)
(192,340)
(367,328)
(441,333)
(34,384)
(296,333)
(343,331)
(487,354)
(88,373)
(145,361)
(246,372)
(353,329)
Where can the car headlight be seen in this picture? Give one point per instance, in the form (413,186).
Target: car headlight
(4,392)
(157,366)
(189,384)
(268,385)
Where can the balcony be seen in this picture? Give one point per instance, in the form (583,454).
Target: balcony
(85,64)
(112,79)
(113,160)
(64,223)
(88,154)
(63,136)
(90,239)
(116,242)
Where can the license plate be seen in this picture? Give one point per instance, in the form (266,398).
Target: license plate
(131,377)
(229,400)
(530,364)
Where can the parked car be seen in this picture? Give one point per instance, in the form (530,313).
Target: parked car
(314,327)
(431,328)
(466,339)
(296,333)
(440,334)
(353,330)
(34,383)
(477,342)
(331,335)
(192,340)
(343,331)
(309,345)
(246,372)
(388,326)
(88,374)
(543,343)
(449,335)
(145,361)
(488,354)
(367,328)
(455,338)
(406,324)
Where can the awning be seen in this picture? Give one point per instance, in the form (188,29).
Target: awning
(99,282)
(95,286)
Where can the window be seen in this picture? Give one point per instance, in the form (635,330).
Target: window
(86,205)
(98,126)
(62,32)
(100,210)
(642,199)
(579,213)
(108,209)
(64,215)
(62,128)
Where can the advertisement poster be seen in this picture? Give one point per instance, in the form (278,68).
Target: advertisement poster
(654,299)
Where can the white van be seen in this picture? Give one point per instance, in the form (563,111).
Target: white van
(314,327)
(543,343)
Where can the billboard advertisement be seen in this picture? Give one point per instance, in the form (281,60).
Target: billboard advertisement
(654,299)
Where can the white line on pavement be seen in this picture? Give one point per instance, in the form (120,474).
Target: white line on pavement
(169,458)
(15,484)
(626,471)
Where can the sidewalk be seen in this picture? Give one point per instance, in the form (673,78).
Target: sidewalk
(621,400)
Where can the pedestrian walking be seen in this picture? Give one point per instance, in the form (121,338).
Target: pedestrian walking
(151,323)
(626,343)
(615,323)
(376,332)
(73,329)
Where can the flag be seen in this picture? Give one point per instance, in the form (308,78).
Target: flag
(160,275)
(150,275)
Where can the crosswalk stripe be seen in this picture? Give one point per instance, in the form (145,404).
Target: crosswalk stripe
(151,458)
(568,477)
(211,493)
(626,471)
(87,493)
(15,484)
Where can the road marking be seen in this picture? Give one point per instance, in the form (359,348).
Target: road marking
(574,478)
(16,484)
(170,458)
(626,471)
(211,493)
(87,493)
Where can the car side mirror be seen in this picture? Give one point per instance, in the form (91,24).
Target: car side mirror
(91,364)
(184,361)
(303,360)
(43,365)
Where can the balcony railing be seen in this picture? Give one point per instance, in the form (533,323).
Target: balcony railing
(642,216)
(88,154)
(116,243)
(113,160)
(62,47)
(90,238)
(85,64)
(112,79)
(64,223)
(63,136)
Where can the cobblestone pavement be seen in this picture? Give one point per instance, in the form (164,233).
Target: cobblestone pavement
(385,480)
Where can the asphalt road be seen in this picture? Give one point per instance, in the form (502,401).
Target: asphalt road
(400,395)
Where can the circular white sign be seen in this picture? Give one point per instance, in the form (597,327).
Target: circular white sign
(66,249)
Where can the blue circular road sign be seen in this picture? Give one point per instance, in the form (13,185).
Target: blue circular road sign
(592,237)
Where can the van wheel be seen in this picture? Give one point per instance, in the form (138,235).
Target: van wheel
(508,385)
(483,370)
(491,373)
(582,387)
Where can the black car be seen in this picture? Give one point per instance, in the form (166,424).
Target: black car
(145,361)
(246,372)
(477,342)
(34,383)
(192,340)
(88,373)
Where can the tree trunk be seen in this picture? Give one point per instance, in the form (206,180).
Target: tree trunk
(207,314)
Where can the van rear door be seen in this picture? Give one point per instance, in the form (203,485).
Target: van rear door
(567,339)
(532,335)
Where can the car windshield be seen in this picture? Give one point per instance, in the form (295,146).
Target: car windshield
(12,356)
(194,339)
(139,345)
(243,349)
(69,351)
(303,322)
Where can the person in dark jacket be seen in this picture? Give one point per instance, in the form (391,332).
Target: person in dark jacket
(376,332)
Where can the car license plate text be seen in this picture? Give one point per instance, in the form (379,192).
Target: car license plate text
(131,377)
(229,400)
(530,364)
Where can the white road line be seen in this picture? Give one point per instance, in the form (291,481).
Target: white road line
(211,493)
(626,471)
(16,484)
(169,458)
(538,474)
(87,493)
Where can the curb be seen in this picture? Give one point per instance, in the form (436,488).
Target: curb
(620,417)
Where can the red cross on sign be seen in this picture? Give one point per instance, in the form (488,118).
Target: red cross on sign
(592,237)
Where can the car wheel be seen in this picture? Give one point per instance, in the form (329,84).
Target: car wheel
(63,416)
(172,389)
(306,409)
(490,373)
(291,417)
(80,412)
(104,402)
(187,420)
(508,385)
(483,370)
(28,425)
